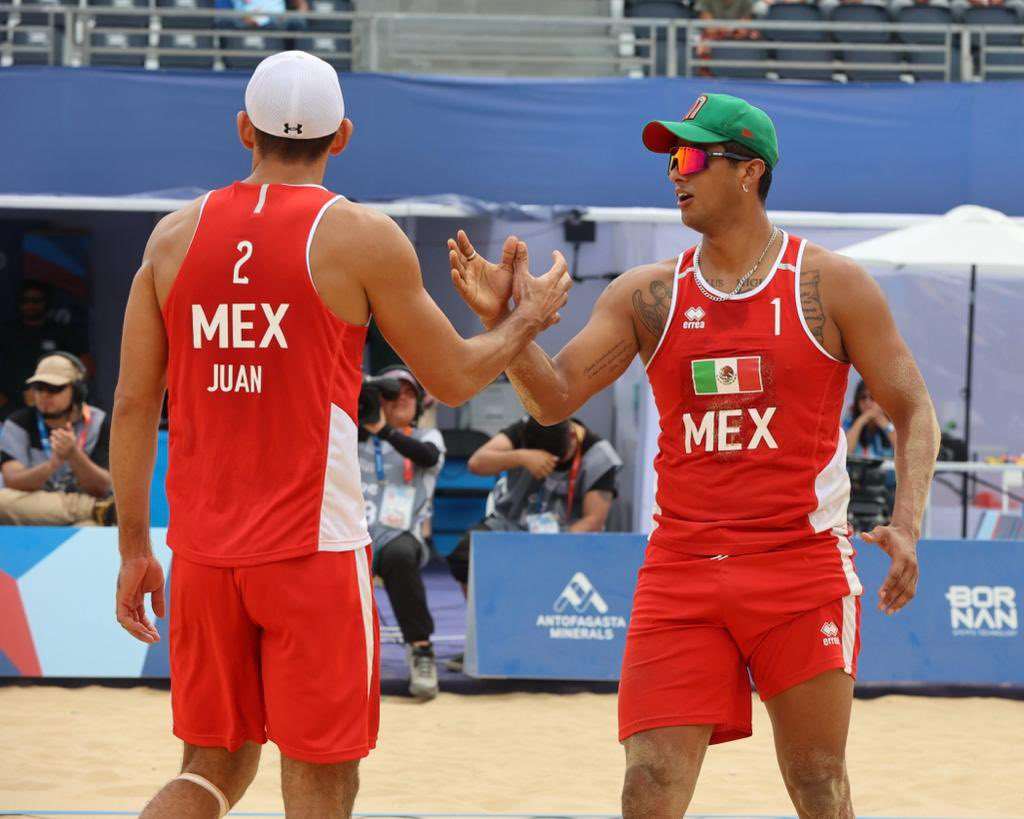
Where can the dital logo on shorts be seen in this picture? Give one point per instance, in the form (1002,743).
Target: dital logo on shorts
(580,613)
(983,611)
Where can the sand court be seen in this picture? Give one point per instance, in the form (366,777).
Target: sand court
(108,749)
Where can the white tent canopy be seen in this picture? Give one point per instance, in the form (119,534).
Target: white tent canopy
(967,235)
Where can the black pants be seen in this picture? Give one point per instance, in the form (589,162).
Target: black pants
(398,565)
(458,560)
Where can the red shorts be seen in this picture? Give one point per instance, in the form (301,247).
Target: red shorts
(287,651)
(699,623)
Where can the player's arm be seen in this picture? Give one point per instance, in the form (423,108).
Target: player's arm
(136,418)
(450,367)
(552,389)
(873,344)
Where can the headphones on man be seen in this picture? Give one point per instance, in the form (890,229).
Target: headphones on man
(79,389)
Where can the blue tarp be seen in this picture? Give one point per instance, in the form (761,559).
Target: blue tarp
(870,147)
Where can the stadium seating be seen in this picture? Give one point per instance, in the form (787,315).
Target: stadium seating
(660,9)
(118,40)
(32,30)
(803,13)
(330,39)
(188,40)
(864,13)
(40,41)
(998,16)
(250,40)
(931,15)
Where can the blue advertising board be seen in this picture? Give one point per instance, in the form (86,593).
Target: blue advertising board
(550,606)
(962,628)
(540,607)
(556,607)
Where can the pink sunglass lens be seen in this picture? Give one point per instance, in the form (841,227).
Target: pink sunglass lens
(688,160)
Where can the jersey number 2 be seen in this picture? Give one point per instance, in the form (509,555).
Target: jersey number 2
(246,248)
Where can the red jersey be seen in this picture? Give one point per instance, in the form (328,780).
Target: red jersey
(751,455)
(263,383)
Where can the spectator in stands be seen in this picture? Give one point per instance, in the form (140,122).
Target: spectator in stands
(723,10)
(263,14)
(399,465)
(26,338)
(869,432)
(54,454)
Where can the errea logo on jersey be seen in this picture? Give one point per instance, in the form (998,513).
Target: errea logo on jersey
(694,318)
(831,632)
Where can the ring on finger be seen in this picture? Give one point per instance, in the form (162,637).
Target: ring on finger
(471,257)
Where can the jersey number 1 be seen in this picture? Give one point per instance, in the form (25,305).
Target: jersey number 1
(246,248)
(777,304)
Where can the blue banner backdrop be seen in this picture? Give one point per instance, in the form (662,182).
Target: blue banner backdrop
(863,147)
(541,607)
(555,607)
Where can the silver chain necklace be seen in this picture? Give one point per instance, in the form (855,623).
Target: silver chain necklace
(743,279)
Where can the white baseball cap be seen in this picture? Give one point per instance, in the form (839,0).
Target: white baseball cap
(295,95)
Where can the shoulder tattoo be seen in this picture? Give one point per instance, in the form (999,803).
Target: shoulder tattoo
(810,302)
(654,313)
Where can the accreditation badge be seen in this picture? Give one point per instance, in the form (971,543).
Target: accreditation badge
(396,507)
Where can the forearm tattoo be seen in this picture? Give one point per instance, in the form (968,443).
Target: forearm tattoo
(810,301)
(613,357)
(653,314)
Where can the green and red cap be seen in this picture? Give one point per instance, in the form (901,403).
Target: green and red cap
(717,118)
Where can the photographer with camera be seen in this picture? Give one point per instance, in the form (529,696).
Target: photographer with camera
(399,465)
(54,454)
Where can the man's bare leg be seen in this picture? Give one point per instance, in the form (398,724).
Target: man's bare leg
(228,771)
(313,791)
(811,721)
(662,766)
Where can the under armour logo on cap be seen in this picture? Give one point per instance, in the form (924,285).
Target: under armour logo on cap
(296,128)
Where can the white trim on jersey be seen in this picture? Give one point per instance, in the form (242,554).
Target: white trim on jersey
(199,219)
(312,231)
(366,605)
(263,198)
(845,549)
(800,305)
(342,510)
(832,489)
(849,631)
(702,283)
(671,309)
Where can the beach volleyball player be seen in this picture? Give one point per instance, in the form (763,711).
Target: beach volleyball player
(747,339)
(252,306)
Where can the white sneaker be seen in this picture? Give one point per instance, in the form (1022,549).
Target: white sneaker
(422,671)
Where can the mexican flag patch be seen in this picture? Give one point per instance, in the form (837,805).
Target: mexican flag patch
(717,376)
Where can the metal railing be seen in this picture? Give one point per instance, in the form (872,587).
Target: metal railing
(1001,47)
(157,37)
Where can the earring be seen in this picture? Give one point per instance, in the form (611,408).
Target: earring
(745,189)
